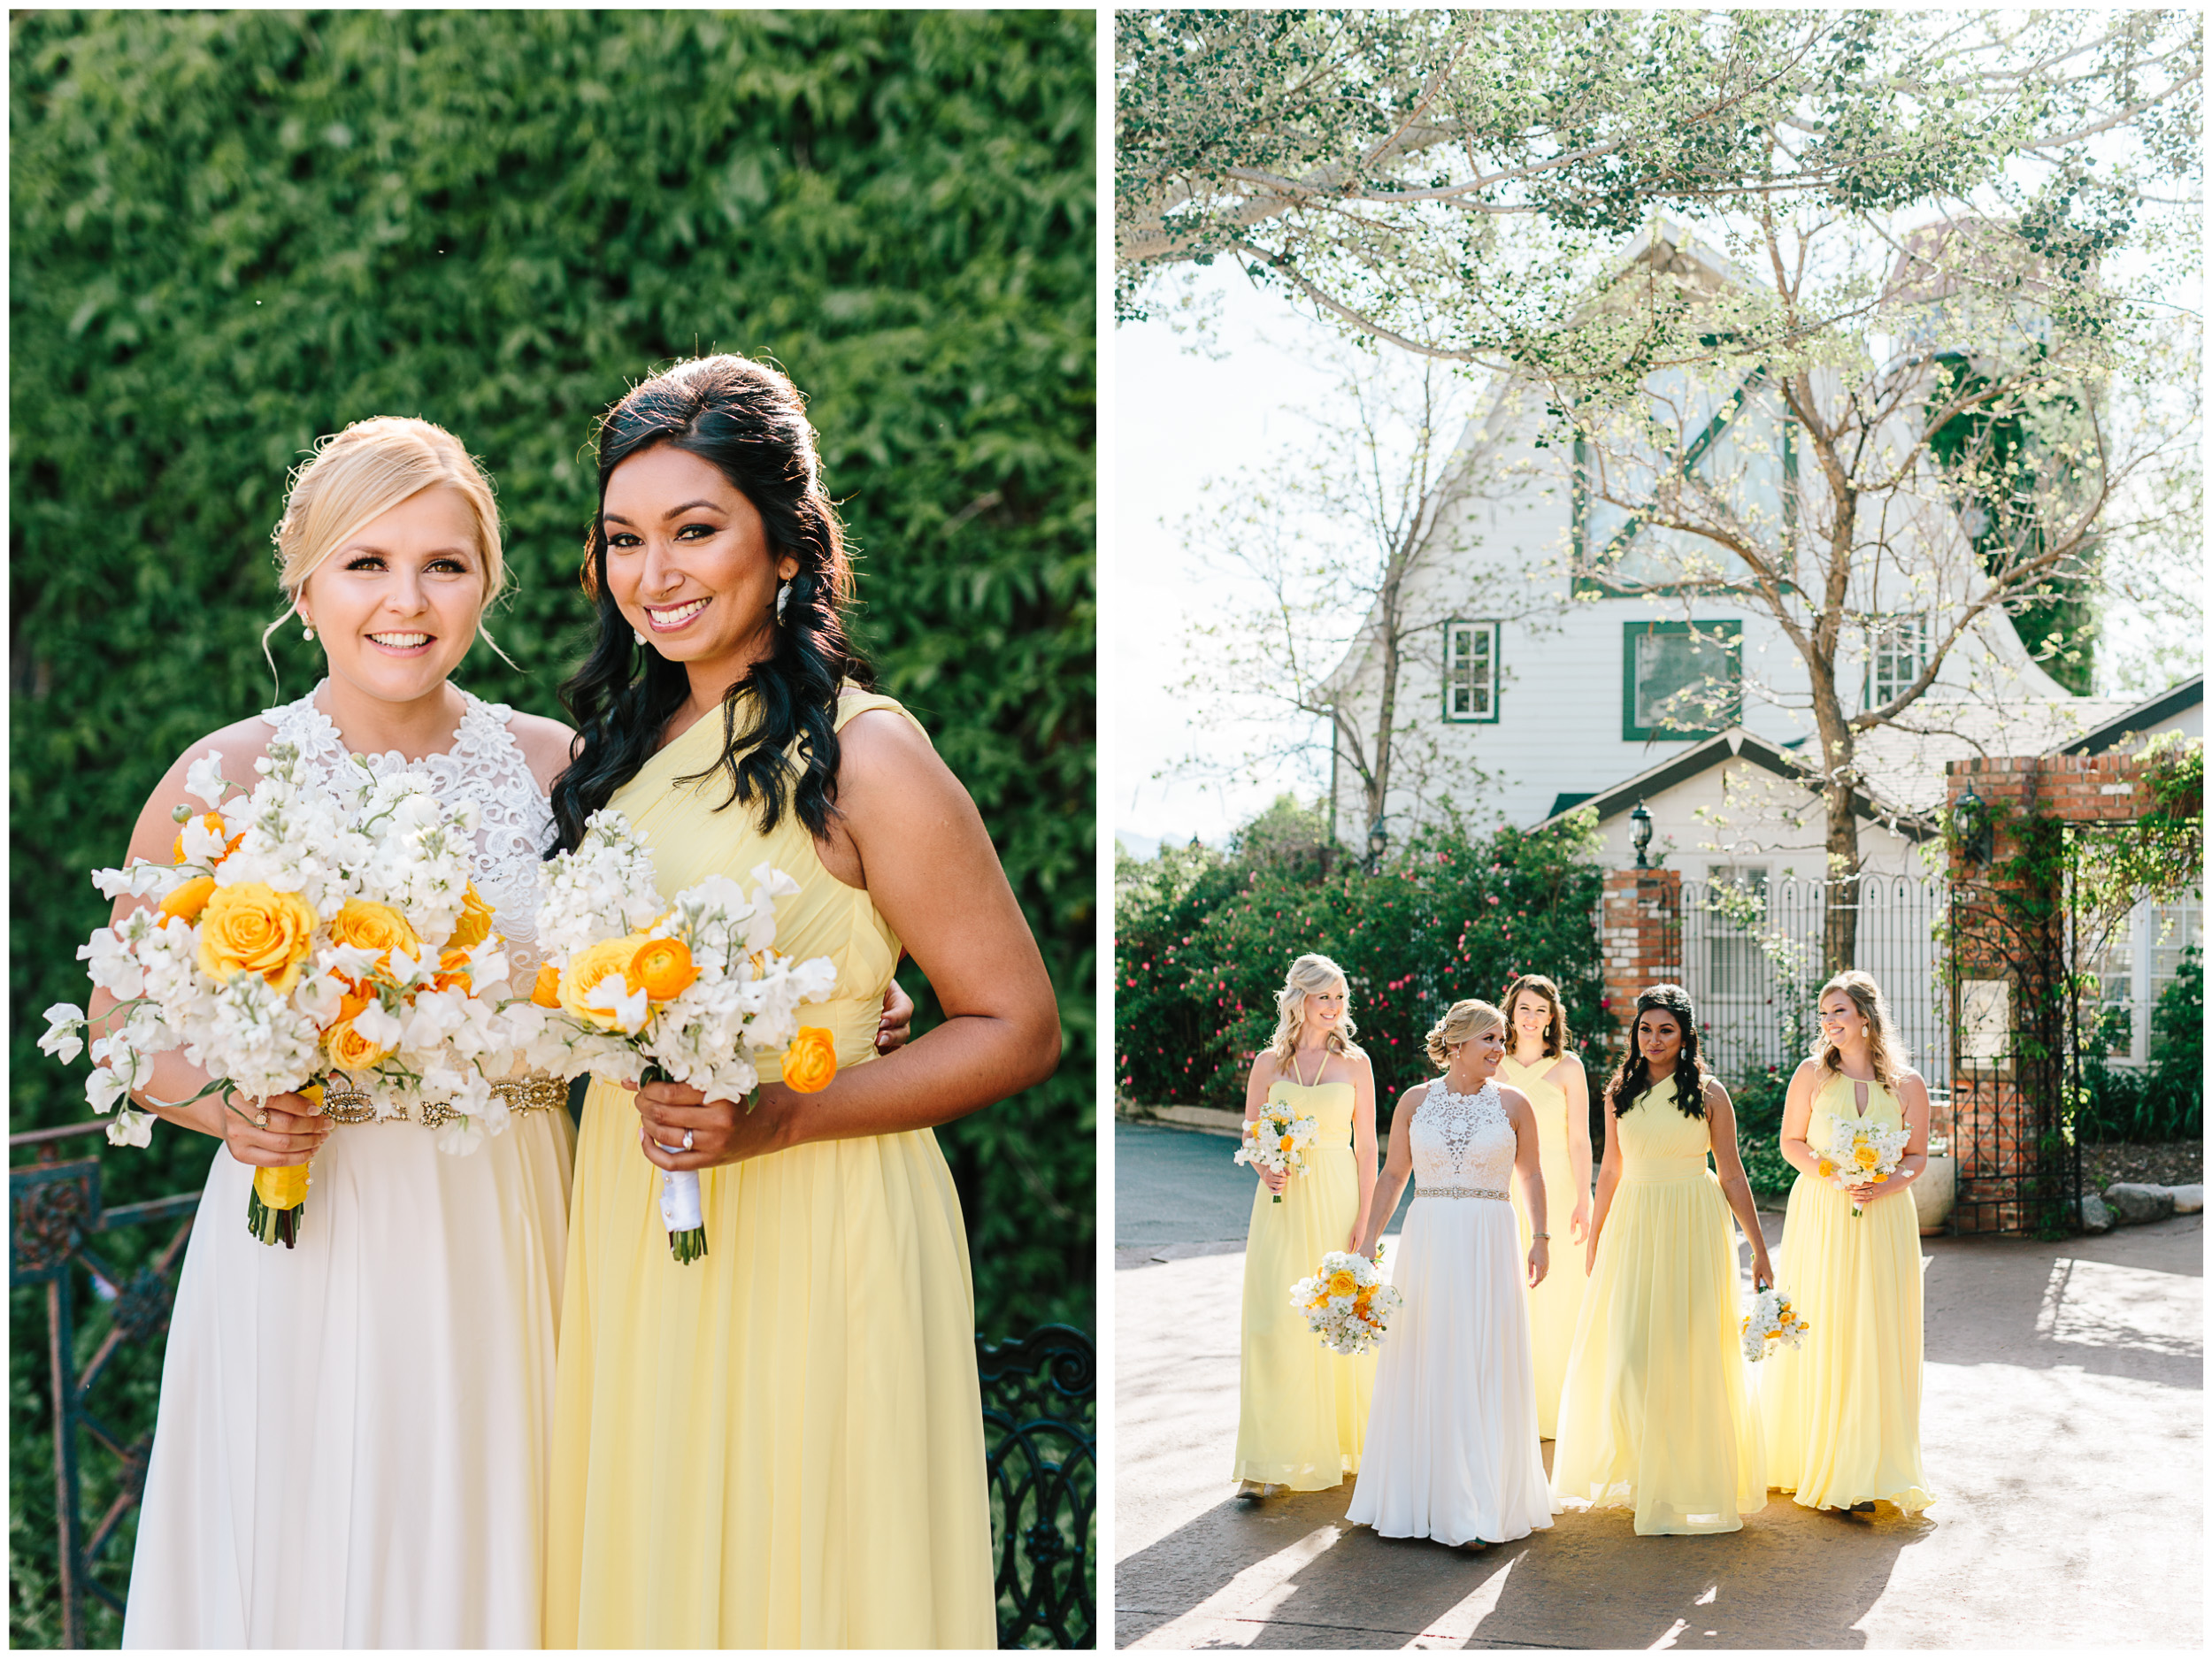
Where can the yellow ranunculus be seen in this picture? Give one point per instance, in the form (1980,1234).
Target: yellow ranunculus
(810,1062)
(1289,1143)
(591,964)
(349,1051)
(252,929)
(1826,1169)
(374,927)
(190,899)
(475,925)
(547,992)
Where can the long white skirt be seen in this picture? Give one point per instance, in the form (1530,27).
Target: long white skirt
(353,1438)
(1452,1452)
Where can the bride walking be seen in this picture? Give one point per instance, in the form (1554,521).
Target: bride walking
(1452,1452)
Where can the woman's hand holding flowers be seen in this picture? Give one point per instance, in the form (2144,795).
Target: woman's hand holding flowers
(295,1132)
(722,1131)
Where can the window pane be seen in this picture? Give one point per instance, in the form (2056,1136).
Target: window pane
(1684,681)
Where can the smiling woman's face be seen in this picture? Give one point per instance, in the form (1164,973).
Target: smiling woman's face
(1324,1010)
(688,561)
(1659,1035)
(396,606)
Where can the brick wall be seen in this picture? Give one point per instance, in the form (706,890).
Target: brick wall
(1641,934)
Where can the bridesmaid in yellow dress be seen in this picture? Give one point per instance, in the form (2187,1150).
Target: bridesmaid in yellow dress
(1655,1415)
(1842,1411)
(1542,1066)
(1302,1411)
(780,1445)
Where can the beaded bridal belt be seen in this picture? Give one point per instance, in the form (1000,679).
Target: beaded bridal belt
(345,1105)
(1459,1192)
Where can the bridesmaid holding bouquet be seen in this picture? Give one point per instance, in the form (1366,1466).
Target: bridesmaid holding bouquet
(1302,1411)
(1541,1064)
(1654,1414)
(1842,1411)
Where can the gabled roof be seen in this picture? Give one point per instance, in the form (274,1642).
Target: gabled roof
(1734,744)
(2141,717)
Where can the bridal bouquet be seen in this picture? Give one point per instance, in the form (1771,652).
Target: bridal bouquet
(291,946)
(1870,1152)
(1277,1140)
(1771,1320)
(1347,1304)
(692,988)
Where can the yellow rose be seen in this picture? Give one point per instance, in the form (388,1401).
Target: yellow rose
(810,1062)
(190,899)
(374,927)
(349,1051)
(252,929)
(475,925)
(547,992)
(1341,1283)
(1865,1158)
(591,964)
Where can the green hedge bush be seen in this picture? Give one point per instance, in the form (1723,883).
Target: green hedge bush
(232,231)
(1202,941)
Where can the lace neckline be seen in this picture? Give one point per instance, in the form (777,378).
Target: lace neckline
(310,713)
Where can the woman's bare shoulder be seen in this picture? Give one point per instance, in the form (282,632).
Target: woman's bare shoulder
(546,745)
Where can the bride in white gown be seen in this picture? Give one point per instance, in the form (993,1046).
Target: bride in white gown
(352,1440)
(1452,1451)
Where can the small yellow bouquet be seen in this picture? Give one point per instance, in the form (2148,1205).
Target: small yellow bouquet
(1770,1321)
(1277,1140)
(1347,1304)
(1869,1152)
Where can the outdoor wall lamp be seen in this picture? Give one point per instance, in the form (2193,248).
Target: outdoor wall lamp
(1978,836)
(1641,819)
(1377,839)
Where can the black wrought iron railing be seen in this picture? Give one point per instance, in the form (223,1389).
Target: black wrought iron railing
(107,1290)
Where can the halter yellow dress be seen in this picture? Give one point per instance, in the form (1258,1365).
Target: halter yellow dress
(780,1446)
(1842,1411)
(1654,1414)
(1302,1411)
(1554,1305)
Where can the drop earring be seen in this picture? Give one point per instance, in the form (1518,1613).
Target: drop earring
(783,598)
(638,635)
(307,632)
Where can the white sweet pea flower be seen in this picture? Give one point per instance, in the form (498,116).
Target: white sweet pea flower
(103,1088)
(381,1028)
(203,779)
(320,997)
(64,1039)
(203,845)
(612,997)
(111,965)
(131,1129)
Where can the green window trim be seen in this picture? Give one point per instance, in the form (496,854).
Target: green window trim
(1471,689)
(1729,634)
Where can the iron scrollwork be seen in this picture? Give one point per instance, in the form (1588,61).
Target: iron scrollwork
(1041,1432)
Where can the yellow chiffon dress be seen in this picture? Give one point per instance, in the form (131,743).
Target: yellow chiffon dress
(1654,1414)
(1841,1412)
(1301,1411)
(781,1445)
(1554,1305)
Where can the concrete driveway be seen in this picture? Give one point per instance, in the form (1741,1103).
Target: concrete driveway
(2062,1429)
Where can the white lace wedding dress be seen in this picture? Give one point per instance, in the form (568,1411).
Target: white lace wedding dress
(1452,1452)
(352,1443)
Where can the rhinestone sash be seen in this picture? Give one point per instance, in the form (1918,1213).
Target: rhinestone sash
(1459,1192)
(342,1104)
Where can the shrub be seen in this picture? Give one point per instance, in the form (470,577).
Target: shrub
(2162,1100)
(1202,942)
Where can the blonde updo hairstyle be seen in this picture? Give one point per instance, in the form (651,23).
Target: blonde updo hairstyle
(1885,1049)
(1462,1021)
(1311,975)
(1557,1036)
(356,477)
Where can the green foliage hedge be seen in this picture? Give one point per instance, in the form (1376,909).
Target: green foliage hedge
(2164,1099)
(234,232)
(1202,942)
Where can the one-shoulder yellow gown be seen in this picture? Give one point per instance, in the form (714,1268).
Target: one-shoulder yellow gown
(1302,1411)
(780,1446)
(1842,1410)
(1654,1414)
(1554,1305)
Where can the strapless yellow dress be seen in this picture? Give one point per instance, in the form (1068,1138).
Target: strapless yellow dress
(1301,1411)
(1842,1410)
(781,1445)
(1554,1305)
(1655,1415)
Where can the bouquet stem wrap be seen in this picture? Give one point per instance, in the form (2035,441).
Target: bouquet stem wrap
(277,1202)
(680,1210)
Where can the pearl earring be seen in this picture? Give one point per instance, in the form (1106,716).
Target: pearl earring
(783,598)
(307,633)
(637,636)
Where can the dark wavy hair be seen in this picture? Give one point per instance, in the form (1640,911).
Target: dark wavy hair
(750,421)
(1633,1076)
